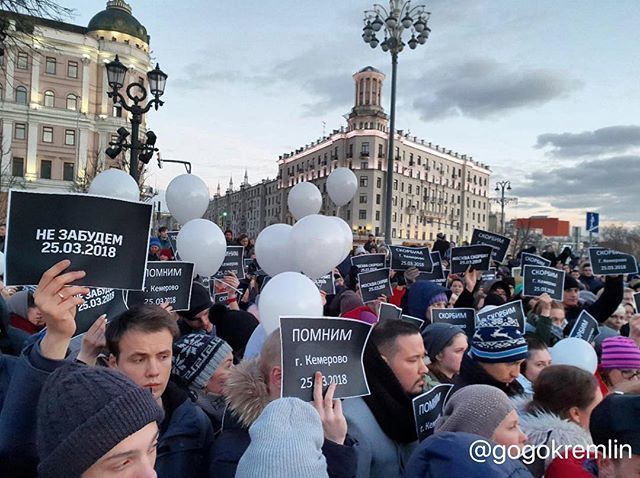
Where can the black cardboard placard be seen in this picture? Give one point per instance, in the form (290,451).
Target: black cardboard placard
(540,279)
(437,273)
(173,235)
(413,320)
(221,298)
(607,262)
(97,302)
(233,262)
(509,314)
(477,256)
(636,300)
(374,284)
(428,407)
(368,262)
(166,282)
(403,258)
(107,238)
(585,328)
(326,283)
(462,317)
(499,243)
(488,276)
(389,312)
(527,259)
(332,346)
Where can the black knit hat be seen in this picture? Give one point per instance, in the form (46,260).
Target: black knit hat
(437,336)
(570,282)
(200,300)
(616,418)
(83,413)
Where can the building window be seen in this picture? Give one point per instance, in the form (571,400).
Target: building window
(395,184)
(72,69)
(377,215)
(50,67)
(47,134)
(378,183)
(364,151)
(363,199)
(380,151)
(17,167)
(378,198)
(70,137)
(72,102)
(362,214)
(49,99)
(395,217)
(393,232)
(20,131)
(22,62)
(117,111)
(21,95)
(364,181)
(348,214)
(364,165)
(45,169)
(67,172)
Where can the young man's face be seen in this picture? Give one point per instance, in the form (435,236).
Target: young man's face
(133,457)
(587,271)
(407,363)
(164,235)
(3,230)
(145,357)
(228,236)
(571,297)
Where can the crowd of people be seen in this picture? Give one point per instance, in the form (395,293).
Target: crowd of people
(197,393)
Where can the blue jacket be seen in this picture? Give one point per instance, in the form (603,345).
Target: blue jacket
(448,454)
(7,365)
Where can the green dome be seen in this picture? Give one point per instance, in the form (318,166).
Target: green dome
(117,17)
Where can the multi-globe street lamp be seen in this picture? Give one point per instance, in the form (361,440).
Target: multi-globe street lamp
(502,186)
(137,93)
(399,17)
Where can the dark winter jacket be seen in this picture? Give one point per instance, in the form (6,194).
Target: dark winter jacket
(471,373)
(248,395)
(592,283)
(186,437)
(7,365)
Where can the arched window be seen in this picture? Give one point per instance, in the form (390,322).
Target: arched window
(72,102)
(21,95)
(49,99)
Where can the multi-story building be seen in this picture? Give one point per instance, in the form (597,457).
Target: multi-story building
(55,117)
(435,189)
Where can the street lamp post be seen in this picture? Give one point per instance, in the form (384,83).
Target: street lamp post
(400,16)
(503,186)
(116,73)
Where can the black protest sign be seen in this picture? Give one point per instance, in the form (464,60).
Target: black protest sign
(168,282)
(233,262)
(540,280)
(510,314)
(326,283)
(106,238)
(374,284)
(478,257)
(221,298)
(636,300)
(437,273)
(412,320)
(527,259)
(173,235)
(389,312)
(403,258)
(488,276)
(428,407)
(585,328)
(465,318)
(499,243)
(247,263)
(331,346)
(368,262)
(97,302)
(608,262)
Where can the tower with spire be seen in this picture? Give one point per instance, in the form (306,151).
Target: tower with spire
(218,194)
(230,189)
(246,177)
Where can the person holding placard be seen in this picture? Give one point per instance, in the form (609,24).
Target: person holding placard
(445,345)
(601,309)
(255,383)
(383,422)
(546,321)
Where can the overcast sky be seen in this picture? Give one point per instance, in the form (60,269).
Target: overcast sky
(545,92)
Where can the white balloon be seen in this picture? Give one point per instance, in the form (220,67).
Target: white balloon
(342,185)
(115,183)
(202,242)
(348,235)
(317,243)
(576,352)
(304,199)
(289,293)
(273,252)
(187,197)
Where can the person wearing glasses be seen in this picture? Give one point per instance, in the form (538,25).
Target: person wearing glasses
(620,362)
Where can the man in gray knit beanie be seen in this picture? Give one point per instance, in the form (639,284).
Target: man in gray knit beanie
(91,420)
(482,410)
(286,442)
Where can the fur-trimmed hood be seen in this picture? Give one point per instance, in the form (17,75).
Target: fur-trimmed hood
(246,391)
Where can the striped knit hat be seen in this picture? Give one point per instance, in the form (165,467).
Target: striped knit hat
(620,353)
(500,344)
(197,356)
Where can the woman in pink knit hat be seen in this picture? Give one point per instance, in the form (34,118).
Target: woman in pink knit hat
(620,362)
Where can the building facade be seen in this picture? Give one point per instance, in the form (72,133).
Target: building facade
(435,189)
(55,117)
